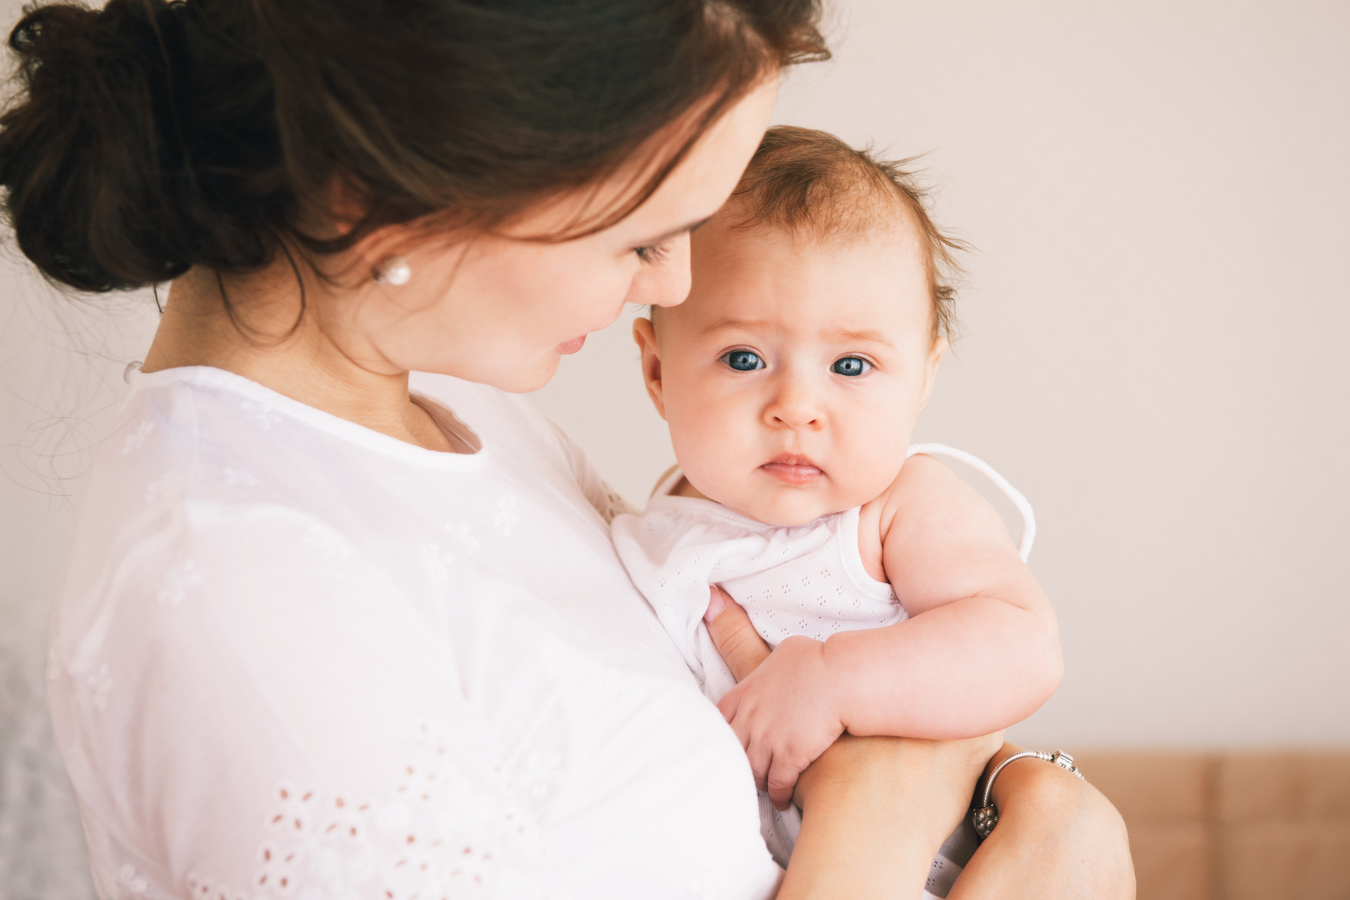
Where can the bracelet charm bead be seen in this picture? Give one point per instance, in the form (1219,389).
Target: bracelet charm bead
(984,819)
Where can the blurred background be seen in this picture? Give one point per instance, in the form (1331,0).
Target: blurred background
(1154,325)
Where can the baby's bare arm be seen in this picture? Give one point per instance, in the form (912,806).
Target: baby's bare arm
(981,649)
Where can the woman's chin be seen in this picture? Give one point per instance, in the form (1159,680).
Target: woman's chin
(536,377)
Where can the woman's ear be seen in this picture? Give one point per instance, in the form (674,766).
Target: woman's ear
(931,367)
(347,204)
(644,333)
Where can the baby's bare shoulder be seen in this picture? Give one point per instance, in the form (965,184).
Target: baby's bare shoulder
(940,537)
(928,506)
(921,481)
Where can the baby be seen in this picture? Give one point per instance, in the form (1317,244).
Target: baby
(791,380)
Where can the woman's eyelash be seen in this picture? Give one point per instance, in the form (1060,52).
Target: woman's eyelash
(653,253)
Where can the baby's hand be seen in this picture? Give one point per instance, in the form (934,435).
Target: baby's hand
(783,716)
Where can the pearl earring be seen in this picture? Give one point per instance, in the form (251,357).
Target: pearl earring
(394,270)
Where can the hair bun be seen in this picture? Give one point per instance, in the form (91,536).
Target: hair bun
(91,154)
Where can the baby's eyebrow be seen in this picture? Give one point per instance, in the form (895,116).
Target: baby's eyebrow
(834,335)
(746,324)
(863,336)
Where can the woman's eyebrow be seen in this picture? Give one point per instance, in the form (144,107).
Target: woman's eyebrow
(676,232)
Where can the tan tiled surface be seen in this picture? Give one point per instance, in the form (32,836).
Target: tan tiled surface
(1284,787)
(1285,861)
(1151,786)
(1173,861)
(1251,826)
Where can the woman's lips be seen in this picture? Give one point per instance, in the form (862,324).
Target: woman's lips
(571,346)
(793,470)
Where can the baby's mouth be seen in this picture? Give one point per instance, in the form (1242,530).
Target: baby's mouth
(793,469)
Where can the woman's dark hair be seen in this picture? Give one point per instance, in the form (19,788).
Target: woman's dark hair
(150,137)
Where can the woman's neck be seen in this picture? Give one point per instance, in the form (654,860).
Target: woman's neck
(272,342)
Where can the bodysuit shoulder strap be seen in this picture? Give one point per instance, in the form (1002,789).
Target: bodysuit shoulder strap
(1013,494)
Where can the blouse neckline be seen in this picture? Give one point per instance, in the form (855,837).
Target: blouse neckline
(268,401)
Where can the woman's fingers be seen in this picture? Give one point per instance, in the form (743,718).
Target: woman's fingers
(734,635)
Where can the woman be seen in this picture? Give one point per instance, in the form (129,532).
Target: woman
(331,631)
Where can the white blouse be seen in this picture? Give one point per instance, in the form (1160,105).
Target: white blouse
(292,657)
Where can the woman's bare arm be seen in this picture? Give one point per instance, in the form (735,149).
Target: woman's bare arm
(1057,837)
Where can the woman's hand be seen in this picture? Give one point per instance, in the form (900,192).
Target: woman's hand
(780,709)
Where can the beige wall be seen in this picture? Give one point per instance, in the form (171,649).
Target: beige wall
(61,363)
(1154,352)
(1156,327)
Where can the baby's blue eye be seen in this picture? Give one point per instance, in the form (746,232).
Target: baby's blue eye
(850,365)
(743,360)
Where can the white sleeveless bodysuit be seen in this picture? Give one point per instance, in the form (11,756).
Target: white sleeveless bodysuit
(797,580)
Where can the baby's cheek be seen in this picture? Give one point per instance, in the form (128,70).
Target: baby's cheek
(870,463)
(708,449)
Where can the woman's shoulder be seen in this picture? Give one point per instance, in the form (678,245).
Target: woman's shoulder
(195,484)
(183,436)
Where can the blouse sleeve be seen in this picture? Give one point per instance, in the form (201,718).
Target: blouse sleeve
(266,716)
(608,502)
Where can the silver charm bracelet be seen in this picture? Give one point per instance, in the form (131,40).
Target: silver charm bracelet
(985,815)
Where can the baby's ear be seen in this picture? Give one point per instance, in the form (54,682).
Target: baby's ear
(645,335)
(930,368)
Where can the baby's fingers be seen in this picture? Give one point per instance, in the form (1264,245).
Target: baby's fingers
(761,762)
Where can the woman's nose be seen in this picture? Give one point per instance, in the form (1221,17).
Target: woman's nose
(664,283)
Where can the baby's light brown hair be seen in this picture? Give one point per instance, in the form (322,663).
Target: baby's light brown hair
(810,183)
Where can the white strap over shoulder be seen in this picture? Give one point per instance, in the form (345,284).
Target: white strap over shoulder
(1013,494)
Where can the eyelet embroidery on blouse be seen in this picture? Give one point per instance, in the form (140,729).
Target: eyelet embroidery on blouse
(461,534)
(131,879)
(100,684)
(440,563)
(541,773)
(260,413)
(326,541)
(436,835)
(233,478)
(178,580)
(136,440)
(612,504)
(708,884)
(161,486)
(507,515)
(200,888)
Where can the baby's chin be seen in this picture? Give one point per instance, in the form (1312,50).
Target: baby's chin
(785,507)
(761,497)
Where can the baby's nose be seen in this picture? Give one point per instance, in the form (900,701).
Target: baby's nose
(795,408)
